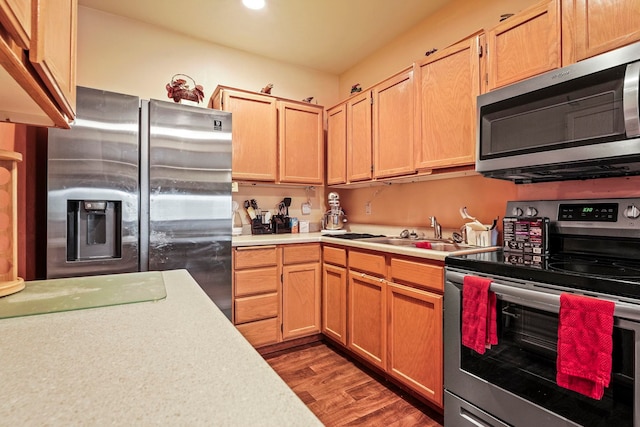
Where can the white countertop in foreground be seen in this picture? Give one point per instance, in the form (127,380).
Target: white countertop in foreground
(175,362)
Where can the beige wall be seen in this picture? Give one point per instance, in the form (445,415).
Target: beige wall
(453,22)
(127,56)
(123,55)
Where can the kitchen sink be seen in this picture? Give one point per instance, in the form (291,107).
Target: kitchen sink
(436,245)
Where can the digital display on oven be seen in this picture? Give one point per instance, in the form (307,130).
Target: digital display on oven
(599,212)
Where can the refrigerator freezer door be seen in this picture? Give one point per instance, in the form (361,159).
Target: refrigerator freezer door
(92,188)
(189,184)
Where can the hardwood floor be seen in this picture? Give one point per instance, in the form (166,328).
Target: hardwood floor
(340,393)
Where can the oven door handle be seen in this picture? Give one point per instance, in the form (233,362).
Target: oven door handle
(549,300)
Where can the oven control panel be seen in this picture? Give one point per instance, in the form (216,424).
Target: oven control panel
(600,212)
(605,217)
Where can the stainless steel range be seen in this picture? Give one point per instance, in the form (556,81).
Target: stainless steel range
(592,248)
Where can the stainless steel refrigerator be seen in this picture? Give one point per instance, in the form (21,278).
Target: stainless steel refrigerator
(139,185)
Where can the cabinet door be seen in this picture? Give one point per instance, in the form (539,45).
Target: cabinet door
(300,300)
(415,340)
(524,45)
(448,83)
(334,302)
(337,145)
(254,135)
(15,17)
(590,27)
(393,126)
(359,139)
(53,49)
(367,334)
(301,137)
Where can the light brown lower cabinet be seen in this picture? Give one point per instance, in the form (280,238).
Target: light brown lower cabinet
(276,292)
(367,320)
(301,291)
(334,302)
(394,314)
(415,340)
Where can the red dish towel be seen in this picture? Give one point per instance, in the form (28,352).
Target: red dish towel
(479,328)
(585,344)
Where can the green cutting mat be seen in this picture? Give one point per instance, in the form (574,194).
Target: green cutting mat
(49,296)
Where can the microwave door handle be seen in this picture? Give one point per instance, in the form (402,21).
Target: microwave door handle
(630,99)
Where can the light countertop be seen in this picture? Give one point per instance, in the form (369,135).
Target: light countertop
(176,361)
(288,238)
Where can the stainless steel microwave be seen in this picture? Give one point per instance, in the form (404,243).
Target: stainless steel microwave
(577,122)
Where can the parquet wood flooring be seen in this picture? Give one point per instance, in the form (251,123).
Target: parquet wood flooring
(341,393)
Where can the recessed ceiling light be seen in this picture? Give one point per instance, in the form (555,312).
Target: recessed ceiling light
(253,4)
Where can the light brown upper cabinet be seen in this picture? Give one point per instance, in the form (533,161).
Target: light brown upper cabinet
(337,144)
(254,132)
(393,125)
(591,27)
(15,17)
(524,45)
(447,84)
(274,139)
(301,137)
(40,36)
(359,138)
(53,49)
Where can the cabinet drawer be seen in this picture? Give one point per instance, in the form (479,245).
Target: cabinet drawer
(373,263)
(337,256)
(250,257)
(417,273)
(260,333)
(257,280)
(256,307)
(296,254)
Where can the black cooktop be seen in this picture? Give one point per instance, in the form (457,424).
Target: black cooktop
(353,236)
(599,274)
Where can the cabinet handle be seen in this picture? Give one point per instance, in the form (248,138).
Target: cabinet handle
(253,248)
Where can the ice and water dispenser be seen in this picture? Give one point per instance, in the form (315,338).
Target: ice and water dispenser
(94,229)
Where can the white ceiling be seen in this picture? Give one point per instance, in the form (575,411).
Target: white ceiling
(326,35)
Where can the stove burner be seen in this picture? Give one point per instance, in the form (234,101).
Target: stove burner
(597,268)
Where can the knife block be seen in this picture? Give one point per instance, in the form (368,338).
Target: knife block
(9,280)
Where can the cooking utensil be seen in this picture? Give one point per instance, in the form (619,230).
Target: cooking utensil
(250,211)
(287,203)
(465,215)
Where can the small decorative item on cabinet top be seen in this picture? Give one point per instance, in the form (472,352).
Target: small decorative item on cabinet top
(309,99)
(356,88)
(267,89)
(178,89)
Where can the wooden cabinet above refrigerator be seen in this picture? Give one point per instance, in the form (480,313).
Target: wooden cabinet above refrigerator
(275,140)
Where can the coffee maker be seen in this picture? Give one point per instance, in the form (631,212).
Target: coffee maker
(334,219)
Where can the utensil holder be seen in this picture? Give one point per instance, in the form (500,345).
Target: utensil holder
(280,224)
(257,227)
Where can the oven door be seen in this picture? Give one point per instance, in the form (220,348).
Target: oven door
(515,381)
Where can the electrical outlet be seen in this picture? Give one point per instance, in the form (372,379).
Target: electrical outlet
(367,208)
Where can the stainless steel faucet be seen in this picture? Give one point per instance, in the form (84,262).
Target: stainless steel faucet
(437,229)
